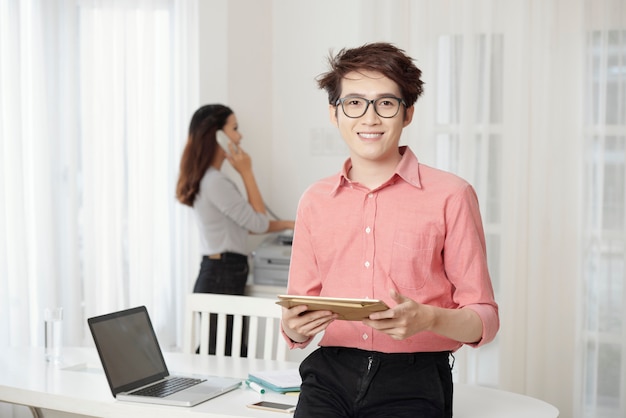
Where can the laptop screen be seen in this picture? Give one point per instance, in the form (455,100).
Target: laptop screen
(128,348)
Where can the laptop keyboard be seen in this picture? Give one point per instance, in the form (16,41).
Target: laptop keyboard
(167,387)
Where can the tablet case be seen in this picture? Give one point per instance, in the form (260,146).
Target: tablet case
(348,309)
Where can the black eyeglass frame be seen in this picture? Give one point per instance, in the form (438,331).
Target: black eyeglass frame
(370,102)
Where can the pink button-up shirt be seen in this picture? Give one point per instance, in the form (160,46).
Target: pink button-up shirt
(419,233)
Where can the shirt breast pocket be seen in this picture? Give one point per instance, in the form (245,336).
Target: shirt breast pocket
(413,259)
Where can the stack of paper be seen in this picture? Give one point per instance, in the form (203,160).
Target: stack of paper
(278,380)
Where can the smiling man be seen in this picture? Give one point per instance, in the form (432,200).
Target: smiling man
(386,227)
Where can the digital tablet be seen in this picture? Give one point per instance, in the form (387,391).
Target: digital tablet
(348,309)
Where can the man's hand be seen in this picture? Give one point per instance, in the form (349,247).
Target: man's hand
(408,318)
(301,325)
(405,319)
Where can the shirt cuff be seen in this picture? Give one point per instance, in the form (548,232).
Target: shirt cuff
(491,323)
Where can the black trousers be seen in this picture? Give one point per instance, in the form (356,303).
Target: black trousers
(349,383)
(226,276)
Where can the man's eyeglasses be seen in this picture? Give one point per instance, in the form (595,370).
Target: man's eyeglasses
(385,107)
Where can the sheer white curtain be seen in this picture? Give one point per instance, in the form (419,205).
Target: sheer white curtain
(521,97)
(32,274)
(132,123)
(95,102)
(603,324)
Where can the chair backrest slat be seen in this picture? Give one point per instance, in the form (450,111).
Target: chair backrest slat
(260,313)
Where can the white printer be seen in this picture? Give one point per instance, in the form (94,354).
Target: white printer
(271,259)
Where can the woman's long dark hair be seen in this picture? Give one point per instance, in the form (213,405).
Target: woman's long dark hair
(200,149)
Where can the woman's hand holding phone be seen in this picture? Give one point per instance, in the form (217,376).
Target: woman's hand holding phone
(225,143)
(236,156)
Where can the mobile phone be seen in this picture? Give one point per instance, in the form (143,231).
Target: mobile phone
(223,140)
(273,406)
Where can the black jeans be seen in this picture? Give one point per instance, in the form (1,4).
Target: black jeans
(227,276)
(350,383)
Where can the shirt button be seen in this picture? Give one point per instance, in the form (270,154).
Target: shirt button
(367,264)
(365,336)
(368,230)
(370,195)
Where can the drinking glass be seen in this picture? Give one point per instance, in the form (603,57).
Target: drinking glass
(53,338)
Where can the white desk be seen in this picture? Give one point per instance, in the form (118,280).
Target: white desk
(25,378)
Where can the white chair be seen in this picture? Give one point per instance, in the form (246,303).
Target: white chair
(263,329)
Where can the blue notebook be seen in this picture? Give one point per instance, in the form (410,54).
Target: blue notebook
(280,381)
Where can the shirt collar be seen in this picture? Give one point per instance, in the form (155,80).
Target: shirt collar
(407,169)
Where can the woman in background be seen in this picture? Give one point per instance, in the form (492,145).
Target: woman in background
(224,216)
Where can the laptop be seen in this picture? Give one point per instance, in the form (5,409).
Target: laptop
(134,366)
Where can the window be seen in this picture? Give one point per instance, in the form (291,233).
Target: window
(469,143)
(604,293)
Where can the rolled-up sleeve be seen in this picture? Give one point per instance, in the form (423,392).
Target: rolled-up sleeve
(491,322)
(465,261)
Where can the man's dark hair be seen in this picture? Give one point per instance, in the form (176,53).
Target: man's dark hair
(380,57)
